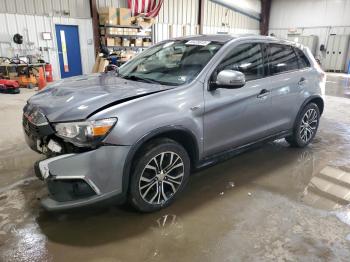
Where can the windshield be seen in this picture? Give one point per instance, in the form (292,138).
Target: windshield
(170,63)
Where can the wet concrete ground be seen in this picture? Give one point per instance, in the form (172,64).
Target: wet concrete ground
(275,203)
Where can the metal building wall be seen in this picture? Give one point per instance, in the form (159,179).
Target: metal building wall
(112,3)
(32,26)
(64,8)
(220,19)
(327,17)
(180,17)
(177,18)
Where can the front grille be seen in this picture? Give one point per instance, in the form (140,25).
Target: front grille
(29,127)
(34,130)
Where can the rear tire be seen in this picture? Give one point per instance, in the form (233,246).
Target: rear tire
(305,127)
(161,172)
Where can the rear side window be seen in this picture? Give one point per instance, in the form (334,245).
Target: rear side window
(282,58)
(246,58)
(302,59)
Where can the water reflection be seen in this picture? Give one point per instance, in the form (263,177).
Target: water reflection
(329,189)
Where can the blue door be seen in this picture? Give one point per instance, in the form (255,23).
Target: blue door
(68,50)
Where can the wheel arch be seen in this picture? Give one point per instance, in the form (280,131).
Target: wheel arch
(317,100)
(312,99)
(180,134)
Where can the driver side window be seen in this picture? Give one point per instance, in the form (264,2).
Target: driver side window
(246,58)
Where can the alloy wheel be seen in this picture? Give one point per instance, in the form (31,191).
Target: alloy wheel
(161,178)
(308,125)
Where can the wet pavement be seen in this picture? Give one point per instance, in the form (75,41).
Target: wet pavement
(274,203)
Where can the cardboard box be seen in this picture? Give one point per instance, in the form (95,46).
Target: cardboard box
(126,42)
(145,22)
(119,31)
(117,41)
(146,43)
(124,16)
(108,15)
(109,41)
(138,42)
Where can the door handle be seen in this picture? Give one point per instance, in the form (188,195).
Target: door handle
(301,81)
(264,92)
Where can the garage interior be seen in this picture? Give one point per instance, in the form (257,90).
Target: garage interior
(272,203)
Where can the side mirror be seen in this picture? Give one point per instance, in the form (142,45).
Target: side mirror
(229,79)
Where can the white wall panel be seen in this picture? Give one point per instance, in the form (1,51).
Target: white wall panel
(178,12)
(76,8)
(309,13)
(31,27)
(327,17)
(216,15)
(112,3)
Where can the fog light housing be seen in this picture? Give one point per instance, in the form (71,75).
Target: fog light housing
(69,189)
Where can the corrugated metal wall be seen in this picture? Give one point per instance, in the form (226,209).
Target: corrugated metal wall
(65,8)
(180,17)
(32,26)
(112,3)
(328,17)
(220,19)
(176,18)
(31,18)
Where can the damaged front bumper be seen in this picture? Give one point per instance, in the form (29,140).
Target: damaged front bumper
(77,180)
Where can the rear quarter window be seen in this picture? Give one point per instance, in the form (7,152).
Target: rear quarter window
(281,58)
(302,59)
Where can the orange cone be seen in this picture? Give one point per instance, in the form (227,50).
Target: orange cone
(42,80)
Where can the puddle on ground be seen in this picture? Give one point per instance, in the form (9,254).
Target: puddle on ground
(271,203)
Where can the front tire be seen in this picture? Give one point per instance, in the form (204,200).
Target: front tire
(305,127)
(161,172)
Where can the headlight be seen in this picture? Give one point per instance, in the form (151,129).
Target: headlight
(85,133)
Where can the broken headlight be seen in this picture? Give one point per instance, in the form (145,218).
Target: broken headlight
(85,133)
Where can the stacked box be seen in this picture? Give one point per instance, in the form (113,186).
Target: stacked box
(117,41)
(108,15)
(110,41)
(124,16)
(146,43)
(126,42)
(114,16)
(138,42)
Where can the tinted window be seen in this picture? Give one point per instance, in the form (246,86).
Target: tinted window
(282,58)
(246,58)
(302,59)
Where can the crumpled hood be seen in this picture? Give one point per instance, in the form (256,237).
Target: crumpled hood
(77,98)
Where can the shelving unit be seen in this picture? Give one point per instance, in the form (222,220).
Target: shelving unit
(125,36)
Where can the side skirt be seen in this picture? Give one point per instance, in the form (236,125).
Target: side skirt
(231,152)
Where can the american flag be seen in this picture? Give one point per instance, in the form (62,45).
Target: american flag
(150,8)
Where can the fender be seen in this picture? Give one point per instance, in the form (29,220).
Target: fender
(307,100)
(136,146)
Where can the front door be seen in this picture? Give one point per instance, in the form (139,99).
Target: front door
(68,50)
(234,117)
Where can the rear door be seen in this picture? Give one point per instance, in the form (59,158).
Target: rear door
(286,82)
(234,117)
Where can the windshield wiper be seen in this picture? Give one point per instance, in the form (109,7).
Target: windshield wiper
(138,78)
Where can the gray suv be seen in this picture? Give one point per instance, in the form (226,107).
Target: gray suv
(137,133)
